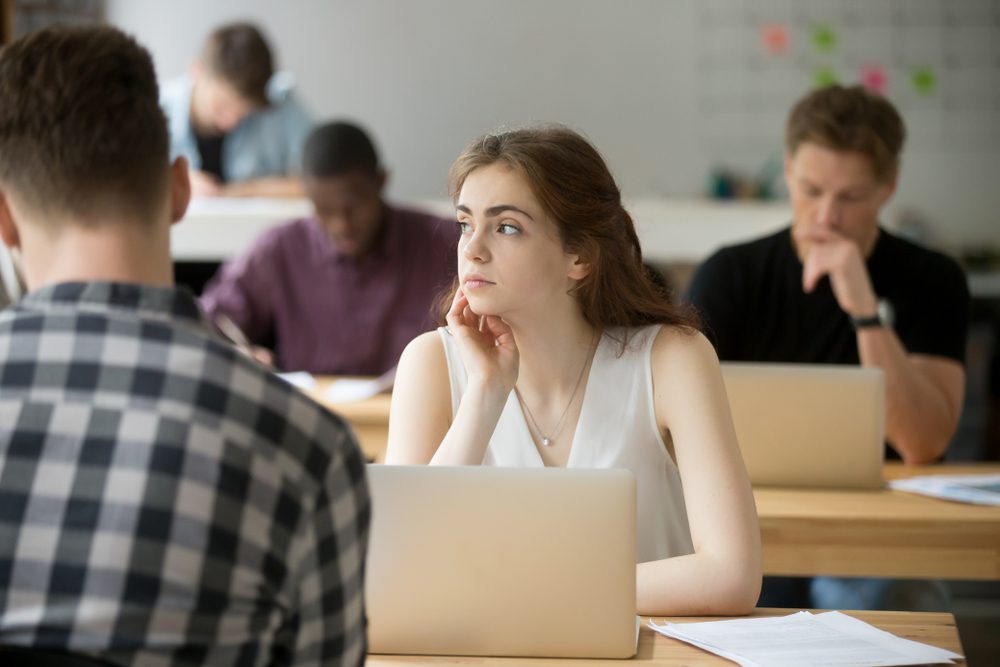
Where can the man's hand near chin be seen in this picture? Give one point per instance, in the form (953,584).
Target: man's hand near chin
(829,253)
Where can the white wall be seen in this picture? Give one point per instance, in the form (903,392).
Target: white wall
(426,76)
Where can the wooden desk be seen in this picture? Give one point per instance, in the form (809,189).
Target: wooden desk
(655,649)
(878,533)
(881,532)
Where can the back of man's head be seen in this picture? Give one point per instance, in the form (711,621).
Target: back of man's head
(338,148)
(238,54)
(849,119)
(81,130)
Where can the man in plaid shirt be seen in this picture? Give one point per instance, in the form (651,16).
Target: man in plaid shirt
(163,499)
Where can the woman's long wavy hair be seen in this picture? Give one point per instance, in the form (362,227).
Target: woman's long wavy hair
(577,191)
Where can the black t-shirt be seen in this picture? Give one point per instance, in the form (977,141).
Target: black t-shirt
(754,309)
(210,150)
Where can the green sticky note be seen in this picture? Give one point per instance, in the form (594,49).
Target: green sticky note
(924,80)
(824,38)
(824,76)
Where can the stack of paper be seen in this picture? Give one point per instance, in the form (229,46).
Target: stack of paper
(977,489)
(803,639)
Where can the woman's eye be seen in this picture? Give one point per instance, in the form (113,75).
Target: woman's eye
(507,228)
(463,226)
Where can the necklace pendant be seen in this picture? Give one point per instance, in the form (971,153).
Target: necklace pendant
(546,442)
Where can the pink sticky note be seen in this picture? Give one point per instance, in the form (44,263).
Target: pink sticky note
(774,38)
(874,78)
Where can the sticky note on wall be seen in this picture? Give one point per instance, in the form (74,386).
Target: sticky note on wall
(924,80)
(874,78)
(824,38)
(775,39)
(824,76)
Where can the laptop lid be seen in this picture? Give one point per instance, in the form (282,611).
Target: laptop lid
(501,561)
(808,425)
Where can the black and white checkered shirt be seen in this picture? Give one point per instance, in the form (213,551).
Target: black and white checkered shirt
(164,500)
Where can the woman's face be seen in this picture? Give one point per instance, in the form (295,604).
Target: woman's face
(510,257)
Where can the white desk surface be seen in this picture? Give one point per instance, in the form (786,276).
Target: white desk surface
(670,230)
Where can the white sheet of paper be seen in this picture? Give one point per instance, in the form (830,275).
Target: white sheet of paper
(299,379)
(346,390)
(975,489)
(805,640)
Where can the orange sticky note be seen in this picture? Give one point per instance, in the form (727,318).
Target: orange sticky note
(774,38)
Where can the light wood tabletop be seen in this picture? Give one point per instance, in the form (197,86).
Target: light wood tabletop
(655,649)
(880,532)
(875,533)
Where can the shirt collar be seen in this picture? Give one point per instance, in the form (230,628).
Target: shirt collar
(165,302)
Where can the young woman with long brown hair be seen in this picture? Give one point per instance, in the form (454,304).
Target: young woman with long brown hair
(560,351)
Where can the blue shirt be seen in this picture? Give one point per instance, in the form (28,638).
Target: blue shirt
(268,142)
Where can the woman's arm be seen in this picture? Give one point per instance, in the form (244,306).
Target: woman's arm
(421,430)
(723,575)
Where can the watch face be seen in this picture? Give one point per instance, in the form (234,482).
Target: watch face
(886,313)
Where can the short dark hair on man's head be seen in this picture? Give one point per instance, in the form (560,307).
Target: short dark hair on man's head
(81,130)
(337,148)
(238,54)
(849,119)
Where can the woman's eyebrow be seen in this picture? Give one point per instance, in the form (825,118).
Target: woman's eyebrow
(494,211)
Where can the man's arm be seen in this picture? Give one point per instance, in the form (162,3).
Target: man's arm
(924,393)
(242,291)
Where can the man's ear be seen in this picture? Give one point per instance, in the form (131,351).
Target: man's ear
(889,186)
(180,189)
(8,230)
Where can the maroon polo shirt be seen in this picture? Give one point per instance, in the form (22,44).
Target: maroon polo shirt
(326,313)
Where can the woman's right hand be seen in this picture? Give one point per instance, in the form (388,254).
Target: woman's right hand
(486,344)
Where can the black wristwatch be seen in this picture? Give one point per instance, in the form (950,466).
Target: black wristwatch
(883,317)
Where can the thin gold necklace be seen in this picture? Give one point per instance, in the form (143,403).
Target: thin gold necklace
(547,440)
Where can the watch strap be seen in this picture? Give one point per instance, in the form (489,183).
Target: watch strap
(867,322)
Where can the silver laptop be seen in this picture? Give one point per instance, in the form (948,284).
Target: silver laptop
(808,425)
(474,560)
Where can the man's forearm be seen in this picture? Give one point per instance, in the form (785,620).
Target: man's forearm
(922,409)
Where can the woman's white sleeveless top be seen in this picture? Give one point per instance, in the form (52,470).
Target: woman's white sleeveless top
(617,429)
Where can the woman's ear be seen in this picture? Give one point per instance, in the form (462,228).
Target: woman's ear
(579,269)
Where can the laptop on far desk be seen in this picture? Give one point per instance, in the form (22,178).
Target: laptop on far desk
(535,562)
(808,425)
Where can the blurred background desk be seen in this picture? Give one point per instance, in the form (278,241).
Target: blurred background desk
(671,230)
(880,533)
(656,649)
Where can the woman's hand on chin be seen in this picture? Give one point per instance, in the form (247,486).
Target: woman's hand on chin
(487,346)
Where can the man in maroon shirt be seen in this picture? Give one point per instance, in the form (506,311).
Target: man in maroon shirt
(344,291)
